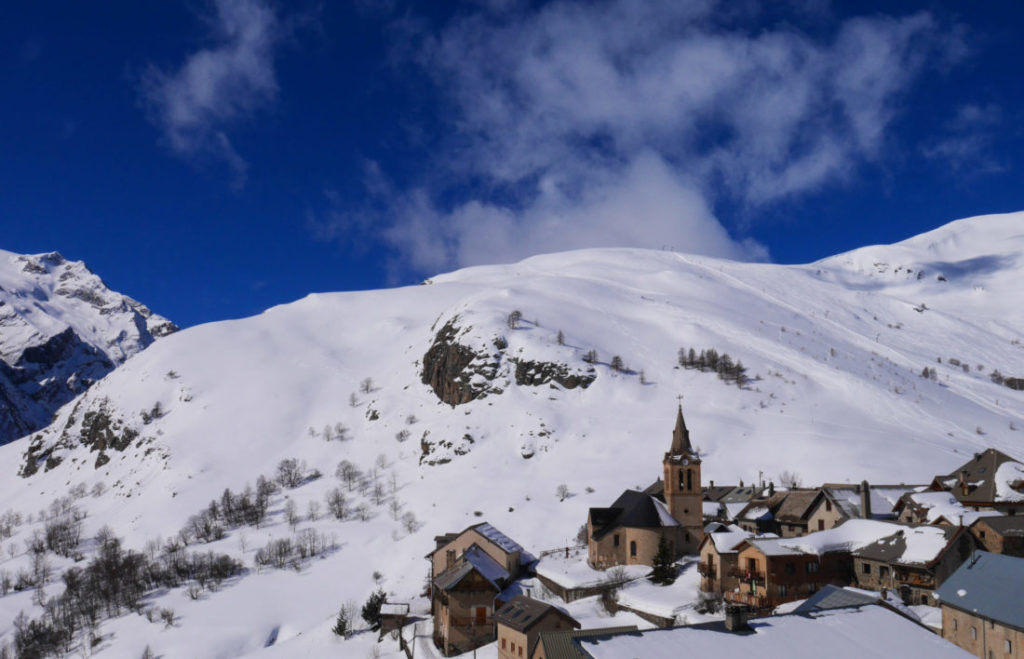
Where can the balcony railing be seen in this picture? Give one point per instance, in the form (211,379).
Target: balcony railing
(747,575)
(915,579)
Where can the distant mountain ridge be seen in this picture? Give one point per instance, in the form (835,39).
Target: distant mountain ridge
(61,329)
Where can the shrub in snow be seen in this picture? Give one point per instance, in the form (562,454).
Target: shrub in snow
(371,609)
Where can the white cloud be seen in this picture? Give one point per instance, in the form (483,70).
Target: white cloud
(621,122)
(218,84)
(968,145)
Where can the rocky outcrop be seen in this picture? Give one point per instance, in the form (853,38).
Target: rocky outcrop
(536,373)
(458,372)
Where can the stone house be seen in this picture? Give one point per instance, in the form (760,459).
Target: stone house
(521,622)
(837,502)
(718,566)
(1000,535)
(991,480)
(981,606)
(783,513)
(628,532)
(770,573)
(937,507)
(912,562)
(469,572)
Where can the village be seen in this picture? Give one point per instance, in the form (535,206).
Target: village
(934,568)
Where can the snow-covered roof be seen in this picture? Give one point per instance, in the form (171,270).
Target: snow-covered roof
(852,534)
(918,545)
(732,509)
(1010,482)
(854,633)
(726,542)
(945,506)
(883,498)
(394,609)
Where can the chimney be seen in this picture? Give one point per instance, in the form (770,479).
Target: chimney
(711,484)
(736,618)
(963,482)
(771,488)
(865,500)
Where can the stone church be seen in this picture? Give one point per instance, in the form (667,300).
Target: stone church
(628,531)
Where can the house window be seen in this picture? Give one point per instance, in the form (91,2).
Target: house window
(632,547)
(1007,647)
(981,534)
(883,571)
(828,505)
(520,650)
(821,525)
(682,479)
(449,557)
(689,479)
(974,633)
(866,569)
(503,644)
(615,540)
(924,599)
(782,590)
(790,568)
(812,567)
(811,588)
(956,624)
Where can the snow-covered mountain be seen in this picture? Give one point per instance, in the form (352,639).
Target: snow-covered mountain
(61,329)
(460,417)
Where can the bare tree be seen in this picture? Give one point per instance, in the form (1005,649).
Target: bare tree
(560,338)
(366,386)
(790,479)
(348,473)
(336,503)
(513,319)
(562,492)
(291,513)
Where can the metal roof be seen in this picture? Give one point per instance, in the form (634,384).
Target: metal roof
(522,612)
(988,585)
(833,597)
(563,645)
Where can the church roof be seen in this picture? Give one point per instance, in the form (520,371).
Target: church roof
(681,437)
(633,509)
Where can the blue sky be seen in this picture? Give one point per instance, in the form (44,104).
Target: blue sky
(212,159)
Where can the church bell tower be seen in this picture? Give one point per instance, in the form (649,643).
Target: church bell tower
(683,494)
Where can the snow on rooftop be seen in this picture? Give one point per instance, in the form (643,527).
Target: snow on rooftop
(853,534)
(1007,475)
(854,633)
(924,543)
(664,516)
(757,512)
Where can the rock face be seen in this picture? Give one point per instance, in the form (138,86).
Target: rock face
(458,373)
(460,367)
(61,329)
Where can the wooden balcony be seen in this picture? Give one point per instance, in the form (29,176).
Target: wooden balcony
(915,579)
(706,570)
(747,575)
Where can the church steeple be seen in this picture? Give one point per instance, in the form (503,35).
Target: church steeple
(681,436)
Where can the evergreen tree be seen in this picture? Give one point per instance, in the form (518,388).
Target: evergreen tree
(342,625)
(371,610)
(664,572)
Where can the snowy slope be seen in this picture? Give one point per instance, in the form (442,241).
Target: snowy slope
(61,329)
(839,346)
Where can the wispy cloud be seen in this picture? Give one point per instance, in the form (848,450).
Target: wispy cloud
(622,122)
(968,145)
(228,80)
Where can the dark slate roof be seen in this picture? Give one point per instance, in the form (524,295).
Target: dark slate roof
(717,492)
(632,508)
(833,597)
(563,645)
(981,471)
(988,585)
(891,548)
(521,613)
(742,493)
(1006,525)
